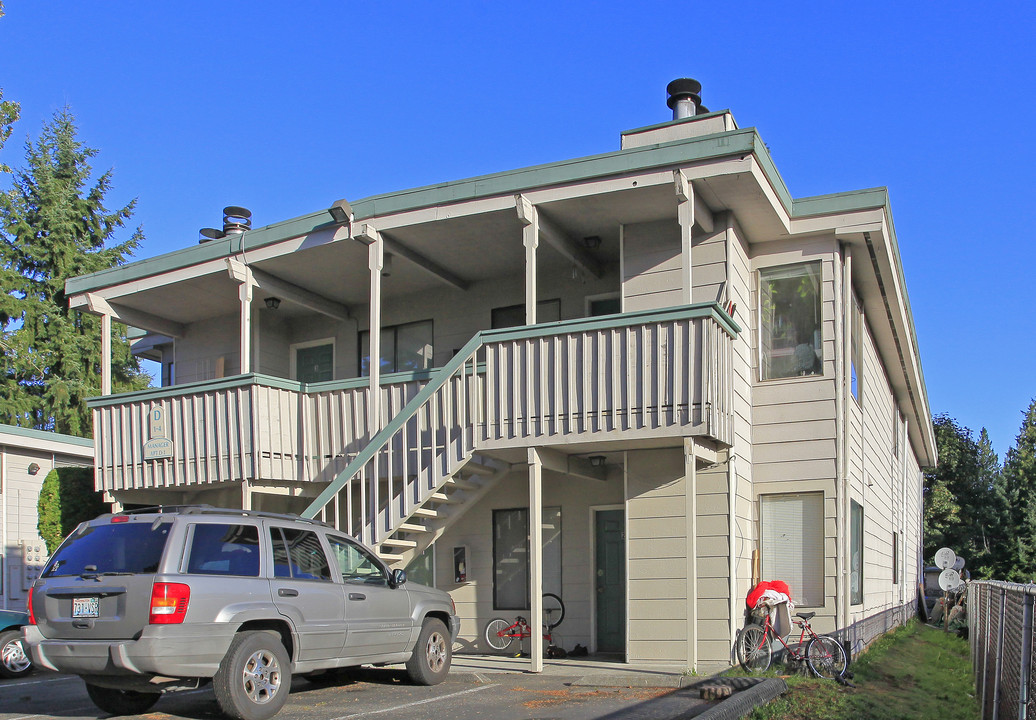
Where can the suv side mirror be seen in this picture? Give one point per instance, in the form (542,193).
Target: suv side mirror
(397,578)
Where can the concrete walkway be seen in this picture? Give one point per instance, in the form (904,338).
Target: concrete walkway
(590,671)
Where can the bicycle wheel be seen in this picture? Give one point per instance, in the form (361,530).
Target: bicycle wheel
(826,657)
(553,611)
(754,649)
(496,634)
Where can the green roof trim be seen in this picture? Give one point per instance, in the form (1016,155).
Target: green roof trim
(620,162)
(45,435)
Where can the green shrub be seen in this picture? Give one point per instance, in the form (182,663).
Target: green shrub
(67,498)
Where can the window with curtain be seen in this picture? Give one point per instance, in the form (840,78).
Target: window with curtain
(856,553)
(403,347)
(790,321)
(511,578)
(792,533)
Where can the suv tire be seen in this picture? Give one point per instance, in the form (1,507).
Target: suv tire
(14,661)
(254,678)
(433,652)
(121,702)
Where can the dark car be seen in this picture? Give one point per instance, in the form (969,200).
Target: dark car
(14,662)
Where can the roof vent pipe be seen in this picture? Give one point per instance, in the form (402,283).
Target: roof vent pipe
(209,234)
(685,98)
(236,219)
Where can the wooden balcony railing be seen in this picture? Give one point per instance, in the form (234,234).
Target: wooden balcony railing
(643,374)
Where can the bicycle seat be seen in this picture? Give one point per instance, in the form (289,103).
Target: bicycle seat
(805,616)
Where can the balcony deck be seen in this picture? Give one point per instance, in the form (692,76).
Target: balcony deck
(648,375)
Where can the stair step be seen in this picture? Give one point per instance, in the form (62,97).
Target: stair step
(462,484)
(411,528)
(426,512)
(398,543)
(443,498)
(389,557)
(479,469)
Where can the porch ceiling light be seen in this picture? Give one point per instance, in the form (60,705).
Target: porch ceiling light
(273,302)
(596,460)
(341,211)
(33,468)
(592,242)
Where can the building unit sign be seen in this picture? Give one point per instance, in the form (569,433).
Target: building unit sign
(160,446)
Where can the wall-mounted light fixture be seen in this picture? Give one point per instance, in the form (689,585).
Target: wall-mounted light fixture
(33,468)
(341,211)
(273,302)
(596,460)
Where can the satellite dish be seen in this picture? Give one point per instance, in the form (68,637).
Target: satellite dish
(945,558)
(958,564)
(949,580)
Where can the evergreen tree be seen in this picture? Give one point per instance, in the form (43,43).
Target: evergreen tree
(8,115)
(992,557)
(54,226)
(947,521)
(1020,489)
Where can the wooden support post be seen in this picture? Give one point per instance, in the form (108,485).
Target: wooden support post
(529,218)
(245,294)
(106,354)
(376,258)
(685,213)
(536,560)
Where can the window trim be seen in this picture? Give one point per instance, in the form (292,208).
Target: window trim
(759,273)
(856,535)
(293,349)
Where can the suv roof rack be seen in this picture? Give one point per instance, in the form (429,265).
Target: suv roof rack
(211,510)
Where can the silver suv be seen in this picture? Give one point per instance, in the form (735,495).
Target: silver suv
(146,602)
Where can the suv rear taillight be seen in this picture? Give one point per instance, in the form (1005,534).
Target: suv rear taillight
(32,615)
(169,603)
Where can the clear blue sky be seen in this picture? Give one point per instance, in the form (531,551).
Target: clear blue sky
(284,107)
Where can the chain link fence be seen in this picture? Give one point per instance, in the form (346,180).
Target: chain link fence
(1001,637)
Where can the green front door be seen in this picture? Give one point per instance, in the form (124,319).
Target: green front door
(315,363)
(610,566)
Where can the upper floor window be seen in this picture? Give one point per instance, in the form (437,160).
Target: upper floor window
(403,347)
(514,315)
(790,321)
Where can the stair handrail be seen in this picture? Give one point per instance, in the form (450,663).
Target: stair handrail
(464,355)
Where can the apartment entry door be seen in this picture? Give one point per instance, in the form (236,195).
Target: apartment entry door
(610,579)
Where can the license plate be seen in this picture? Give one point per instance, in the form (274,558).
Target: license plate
(85,607)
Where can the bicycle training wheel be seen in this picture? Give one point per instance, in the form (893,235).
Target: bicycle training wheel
(753,648)
(496,634)
(553,611)
(826,657)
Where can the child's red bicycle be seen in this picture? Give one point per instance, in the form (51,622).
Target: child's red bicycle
(500,633)
(824,655)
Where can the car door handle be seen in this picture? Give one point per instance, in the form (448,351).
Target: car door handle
(357,596)
(288,592)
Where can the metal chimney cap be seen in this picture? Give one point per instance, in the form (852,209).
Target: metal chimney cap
(683,89)
(237,211)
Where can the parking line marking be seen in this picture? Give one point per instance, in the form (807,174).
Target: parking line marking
(36,682)
(401,707)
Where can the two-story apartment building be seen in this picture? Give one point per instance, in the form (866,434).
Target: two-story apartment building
(639,380)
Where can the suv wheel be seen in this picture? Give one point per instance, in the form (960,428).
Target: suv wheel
(254,678)
(13,660)
(432,654)
(121,702)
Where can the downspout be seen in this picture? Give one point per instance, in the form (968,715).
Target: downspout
(840,403)
(731,509)
(843,465)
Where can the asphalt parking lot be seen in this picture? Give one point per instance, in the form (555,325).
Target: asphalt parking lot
(376,693)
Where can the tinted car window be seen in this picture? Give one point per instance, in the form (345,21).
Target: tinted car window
(119,547)
(304,554)
(218,549)
(356,564)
